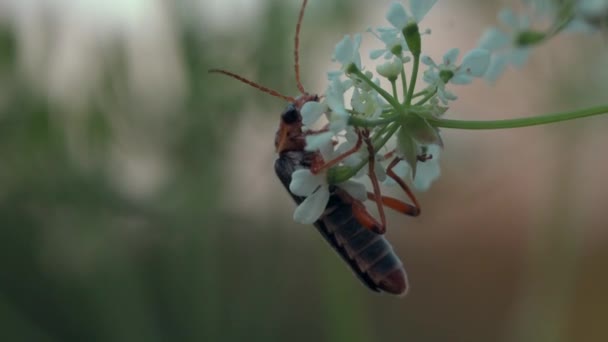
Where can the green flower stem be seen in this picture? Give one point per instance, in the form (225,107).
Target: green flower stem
(426,97)
(390,131)
(404,83)
(379,133)
(559,26)
(394,86)
(410,91)
(420,93)
(391,100)
(377,146)
(358,121)
(514,123)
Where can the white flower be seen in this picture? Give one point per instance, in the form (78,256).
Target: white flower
(390,69)
(394,44)
(334,109)
(474,64)
(426,172)
(367,103)
(333,101)
(347,51)
(586,14)
(316,190)
(590,15)
(399,18)
(504,45)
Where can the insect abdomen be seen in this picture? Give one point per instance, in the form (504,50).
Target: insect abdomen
(368,254)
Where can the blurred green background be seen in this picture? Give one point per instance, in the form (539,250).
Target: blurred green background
(138,200)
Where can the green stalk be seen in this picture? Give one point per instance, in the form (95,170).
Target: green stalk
(394,86)
(391,100)
(369,123)
(380,132)
(410,91)
(390,132)
(426,97)
(514,123)
(377,145)
(404,83)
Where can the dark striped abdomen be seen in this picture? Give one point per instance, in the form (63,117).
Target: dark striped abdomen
(368,254)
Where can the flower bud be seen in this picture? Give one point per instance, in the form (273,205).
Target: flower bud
(390,69)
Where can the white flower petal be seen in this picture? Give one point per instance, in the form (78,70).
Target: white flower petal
(431,76)
(356,57)
(327,152)
(338,121)
(353,160)
(397,15)
(334,75)
(428,171)
(520,56)
(344,51)
(334,96)
(494,39)
(496,68)
(450,57)
(315,142)
(507,16)
(427,60)
(446,94)
(402,170)
(355,189)
(475,62)
(420,8)
(461,78)
(390,69)
(375,54)
(304,182)
(311,112)
(312,207)
(579,26)
(380,171)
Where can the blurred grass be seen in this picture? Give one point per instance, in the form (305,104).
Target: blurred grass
(83,258)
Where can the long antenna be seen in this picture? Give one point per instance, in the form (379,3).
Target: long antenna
(253,84)
(296,51)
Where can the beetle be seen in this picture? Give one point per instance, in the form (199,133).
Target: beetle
(345,224)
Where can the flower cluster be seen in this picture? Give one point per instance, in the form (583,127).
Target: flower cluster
(398,128)
(517,36)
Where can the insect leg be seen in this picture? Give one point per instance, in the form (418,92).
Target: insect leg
(372,175)
(361,214)
(395,204)
(415,210)
(318,165)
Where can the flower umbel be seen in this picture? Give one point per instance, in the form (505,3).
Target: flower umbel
(394,137)
(474,64)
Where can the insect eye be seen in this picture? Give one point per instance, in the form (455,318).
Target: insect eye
(290,115)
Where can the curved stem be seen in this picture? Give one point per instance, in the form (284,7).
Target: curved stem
(513,123)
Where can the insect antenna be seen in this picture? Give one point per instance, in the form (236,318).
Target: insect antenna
(253,84)
(296,51)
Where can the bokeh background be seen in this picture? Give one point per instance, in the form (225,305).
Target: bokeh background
(138,200)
